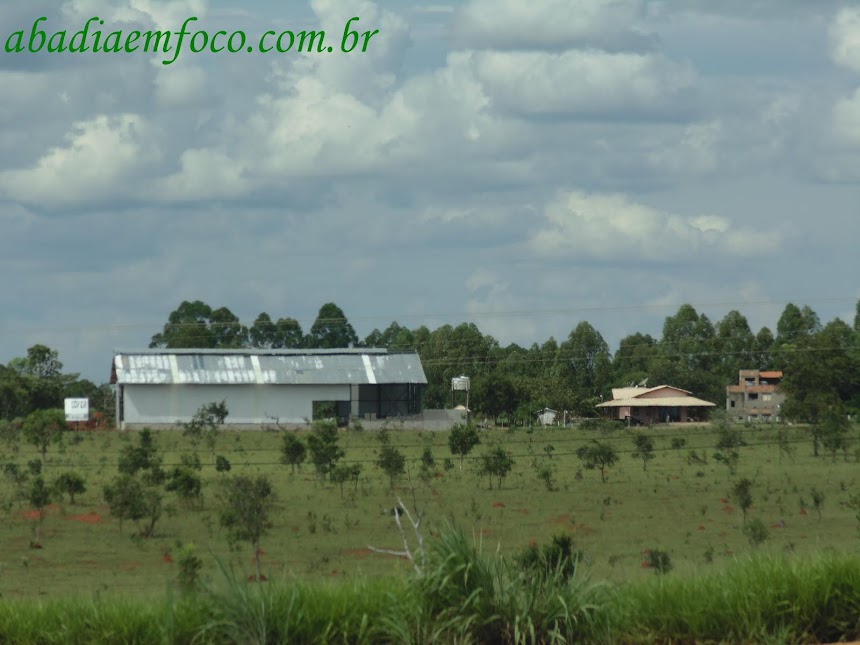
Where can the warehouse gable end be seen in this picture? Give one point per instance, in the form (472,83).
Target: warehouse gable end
(166,386)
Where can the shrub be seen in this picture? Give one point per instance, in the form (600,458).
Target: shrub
(560,557)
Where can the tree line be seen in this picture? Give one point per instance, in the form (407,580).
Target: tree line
(511,383)
(821,362)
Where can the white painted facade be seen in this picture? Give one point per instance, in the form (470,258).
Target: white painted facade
(248,405)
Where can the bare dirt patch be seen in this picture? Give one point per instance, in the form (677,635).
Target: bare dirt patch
(87,518)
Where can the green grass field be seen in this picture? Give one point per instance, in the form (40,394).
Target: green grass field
(321,534)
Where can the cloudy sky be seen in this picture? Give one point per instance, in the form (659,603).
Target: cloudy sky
(523,165)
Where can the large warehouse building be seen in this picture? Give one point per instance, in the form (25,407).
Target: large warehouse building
(157,387)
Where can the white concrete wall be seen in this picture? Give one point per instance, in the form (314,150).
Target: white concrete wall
(247,404)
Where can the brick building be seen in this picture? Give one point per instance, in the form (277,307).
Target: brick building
(756,397)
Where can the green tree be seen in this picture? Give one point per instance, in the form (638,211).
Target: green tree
(389,459)
(833,430)
(687,356)
(286,333)
(728,447)
(187,327)
(246,505)
(495,395)
(226,329)
(588,364)
(496,463)
(128,498)
(735,345)
(323,447)
(331,329)
(71,484)
(206,423)
(142,458)
(741,493)
(597,455)
(644,448)
(462,440)
(293,451)
(44,427)
(39,497)
(185,481)
(635,358)
(817,501)
(763,349)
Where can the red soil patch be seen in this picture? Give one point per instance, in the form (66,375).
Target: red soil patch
(498,505)
(35,545)
(296,529)
(701,527)
(645,565)
(723,500)
(89,518)
(777,525)
(435,493)
(728,510)
(485,532)
(561,519)
(676,477)
(166,558)
(253,578)
(533,542)
(34,514)
(803,511)
(261,552)
(358,553)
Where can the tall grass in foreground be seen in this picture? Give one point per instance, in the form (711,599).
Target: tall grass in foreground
(757,599)
(465,596)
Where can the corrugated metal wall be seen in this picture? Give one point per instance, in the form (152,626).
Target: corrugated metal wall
(247,404)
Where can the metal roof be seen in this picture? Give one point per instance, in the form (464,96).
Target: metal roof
(266,367)
(659,402)
(633,392)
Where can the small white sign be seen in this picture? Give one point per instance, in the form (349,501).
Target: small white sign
(77,409)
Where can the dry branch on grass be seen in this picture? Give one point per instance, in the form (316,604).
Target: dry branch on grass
(406,552)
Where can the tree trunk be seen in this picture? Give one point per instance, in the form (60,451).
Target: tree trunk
(257,559)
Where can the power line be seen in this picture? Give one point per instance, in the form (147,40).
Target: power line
(460,314)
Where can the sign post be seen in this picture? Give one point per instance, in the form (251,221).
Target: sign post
(77,410)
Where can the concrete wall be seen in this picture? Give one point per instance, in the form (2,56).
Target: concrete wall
(248,405)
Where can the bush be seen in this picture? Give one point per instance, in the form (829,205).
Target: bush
(756,532)
(558,557)
(659,561)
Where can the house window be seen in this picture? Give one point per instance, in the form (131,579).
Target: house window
(753,396)
(732,403)
(766,397)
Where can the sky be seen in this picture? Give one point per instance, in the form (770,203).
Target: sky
(520,165)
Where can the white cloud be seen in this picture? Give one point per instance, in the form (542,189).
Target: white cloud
(845,38)
(846,120)
(607,226)
(163,14)
(540,24)
(694,152)
(181,87)
(589,83)
(100,159)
